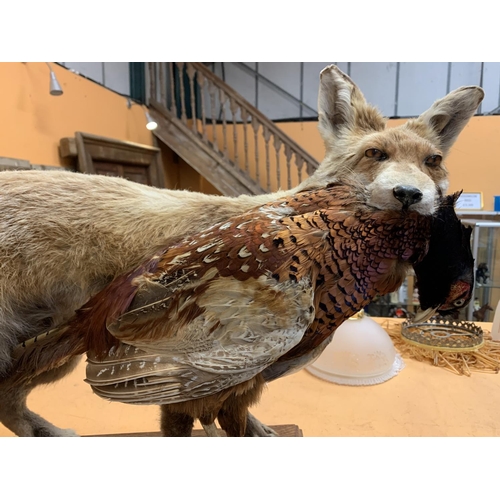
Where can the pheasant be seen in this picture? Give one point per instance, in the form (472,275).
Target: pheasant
(207,320)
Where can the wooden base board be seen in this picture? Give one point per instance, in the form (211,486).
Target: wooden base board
(287,430)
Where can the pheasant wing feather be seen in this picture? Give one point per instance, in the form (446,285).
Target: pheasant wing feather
(237,334)
(205,319)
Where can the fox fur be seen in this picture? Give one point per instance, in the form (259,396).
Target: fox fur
(64,236)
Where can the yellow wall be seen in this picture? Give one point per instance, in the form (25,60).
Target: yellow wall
(32,121)
(305,134)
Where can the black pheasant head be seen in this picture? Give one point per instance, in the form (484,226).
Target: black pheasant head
(445,277)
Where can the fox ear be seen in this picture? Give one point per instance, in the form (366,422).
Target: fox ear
(342,107)
(447,117)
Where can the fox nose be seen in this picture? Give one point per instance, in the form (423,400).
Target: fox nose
(407,195)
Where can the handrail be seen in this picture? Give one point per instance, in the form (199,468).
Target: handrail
(253,111)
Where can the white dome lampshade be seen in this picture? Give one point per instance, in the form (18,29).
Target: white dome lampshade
(360,353)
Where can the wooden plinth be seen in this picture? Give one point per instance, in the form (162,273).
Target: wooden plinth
(287,430)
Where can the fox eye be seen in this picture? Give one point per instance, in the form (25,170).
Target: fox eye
(376,154)
(433,160)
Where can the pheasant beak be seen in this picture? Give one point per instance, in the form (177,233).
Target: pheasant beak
(423,316)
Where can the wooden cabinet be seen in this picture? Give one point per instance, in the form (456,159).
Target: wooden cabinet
(104,156)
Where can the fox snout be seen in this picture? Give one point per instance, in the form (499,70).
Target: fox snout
(407,195)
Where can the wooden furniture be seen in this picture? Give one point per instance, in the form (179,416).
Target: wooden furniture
(289,430)
(105,156)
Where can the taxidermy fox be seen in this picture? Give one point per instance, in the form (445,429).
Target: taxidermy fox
(205,322)
(65,236)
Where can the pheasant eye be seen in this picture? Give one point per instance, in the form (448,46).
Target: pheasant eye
(376,154)
(433,160)
(459,302)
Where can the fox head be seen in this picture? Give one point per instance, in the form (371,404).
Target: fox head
(401,167)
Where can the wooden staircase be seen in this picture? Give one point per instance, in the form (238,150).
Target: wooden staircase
(220,134)
(222,174)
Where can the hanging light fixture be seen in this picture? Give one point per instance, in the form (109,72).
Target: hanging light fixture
(150,122)
(55,87)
